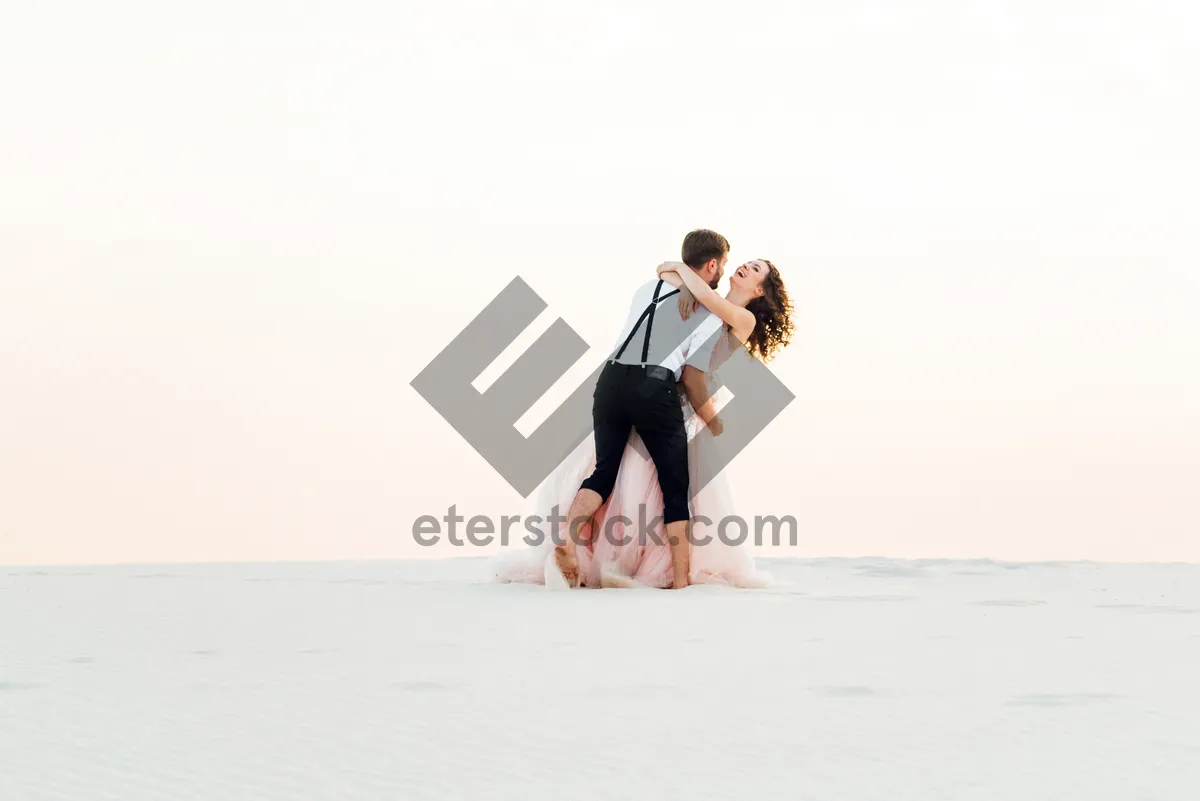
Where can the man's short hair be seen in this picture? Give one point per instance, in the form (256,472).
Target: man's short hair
(702,245)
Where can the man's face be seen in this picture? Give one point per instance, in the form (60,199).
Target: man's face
(719,272)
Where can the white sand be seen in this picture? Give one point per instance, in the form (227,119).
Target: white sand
(865,680)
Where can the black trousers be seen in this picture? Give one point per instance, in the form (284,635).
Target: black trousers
(643,398)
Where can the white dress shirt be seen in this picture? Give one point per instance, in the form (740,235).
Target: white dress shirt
(674,342)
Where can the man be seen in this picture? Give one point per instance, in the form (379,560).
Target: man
(637,390)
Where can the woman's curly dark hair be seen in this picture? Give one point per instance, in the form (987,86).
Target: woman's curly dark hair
(772,311)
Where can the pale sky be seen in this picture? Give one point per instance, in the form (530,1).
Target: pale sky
(231,234)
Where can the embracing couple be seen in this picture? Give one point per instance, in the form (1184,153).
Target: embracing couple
(653,396)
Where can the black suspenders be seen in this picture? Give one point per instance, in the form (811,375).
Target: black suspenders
(648,316)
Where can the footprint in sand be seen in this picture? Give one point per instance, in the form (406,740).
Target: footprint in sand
(1147,609)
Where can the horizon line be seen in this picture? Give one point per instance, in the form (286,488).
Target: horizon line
(404,560)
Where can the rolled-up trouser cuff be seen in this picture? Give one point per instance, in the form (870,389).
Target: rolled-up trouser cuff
(675,511)
(600,484)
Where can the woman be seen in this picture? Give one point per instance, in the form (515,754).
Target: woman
(757,317)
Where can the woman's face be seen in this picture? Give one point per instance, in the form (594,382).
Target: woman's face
(750,276)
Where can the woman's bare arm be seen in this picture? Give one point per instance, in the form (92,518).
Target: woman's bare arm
(695,386)
(671,277)
(687,302)
(739,319)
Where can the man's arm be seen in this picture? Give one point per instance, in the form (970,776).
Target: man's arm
(695,386)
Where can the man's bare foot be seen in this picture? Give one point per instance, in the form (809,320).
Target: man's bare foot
(568,564)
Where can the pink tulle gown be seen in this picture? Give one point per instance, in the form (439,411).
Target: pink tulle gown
(622,558)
